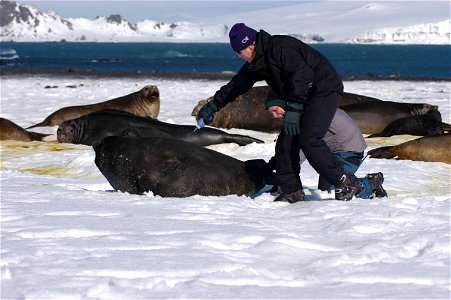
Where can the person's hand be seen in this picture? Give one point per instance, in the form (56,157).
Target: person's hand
(207,112)
(292,118)
(277,112)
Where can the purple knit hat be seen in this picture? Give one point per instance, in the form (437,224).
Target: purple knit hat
(241,36)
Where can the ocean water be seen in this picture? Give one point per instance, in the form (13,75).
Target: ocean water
(413,61)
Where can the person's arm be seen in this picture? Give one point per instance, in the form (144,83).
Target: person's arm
(238,85)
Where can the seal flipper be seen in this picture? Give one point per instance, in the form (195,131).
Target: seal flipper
(382,152)
(241,140)
(258,172)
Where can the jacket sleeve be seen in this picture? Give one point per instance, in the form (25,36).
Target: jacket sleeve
(238,85)
(290,70)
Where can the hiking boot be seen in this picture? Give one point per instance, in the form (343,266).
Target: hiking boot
(348,187)
(275,190)
(376,180)
(291,198)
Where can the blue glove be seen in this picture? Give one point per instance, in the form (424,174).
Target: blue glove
(292,118)
(207,111)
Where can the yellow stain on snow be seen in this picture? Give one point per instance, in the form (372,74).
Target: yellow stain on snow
(10,151)
(37,146)
(52,170)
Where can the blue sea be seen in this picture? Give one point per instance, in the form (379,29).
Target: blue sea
(386,61)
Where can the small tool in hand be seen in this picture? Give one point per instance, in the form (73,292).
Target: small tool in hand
(200,124)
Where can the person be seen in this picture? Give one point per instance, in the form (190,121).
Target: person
(346,141)
(309,88)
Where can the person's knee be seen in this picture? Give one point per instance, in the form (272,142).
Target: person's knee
(309,143)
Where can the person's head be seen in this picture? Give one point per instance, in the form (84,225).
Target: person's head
(242,40)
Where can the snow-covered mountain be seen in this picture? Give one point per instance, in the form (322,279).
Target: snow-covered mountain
(431,33)
(356,21)
(314,22)
(26,23)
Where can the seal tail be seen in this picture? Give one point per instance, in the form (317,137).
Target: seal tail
(446,127)
(242,140)
(41,124)
(35,136)
(375,135)
(382,152)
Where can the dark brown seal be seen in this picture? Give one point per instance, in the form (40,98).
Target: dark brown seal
(11,131)
(145,103)
(422,125)
(248,110)
(430,148)
(173,168)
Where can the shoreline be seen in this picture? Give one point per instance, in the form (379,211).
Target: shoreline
(199,75)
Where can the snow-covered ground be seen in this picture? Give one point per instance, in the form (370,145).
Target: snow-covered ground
(66,235)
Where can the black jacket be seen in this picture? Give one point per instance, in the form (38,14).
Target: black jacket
(290,67)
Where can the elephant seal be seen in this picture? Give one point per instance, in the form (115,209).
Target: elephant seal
(145,102)
(350,98)
(248,110)
(429,148)
(373,116)
(11,131)
(173,168)
(422,125)
(93,127)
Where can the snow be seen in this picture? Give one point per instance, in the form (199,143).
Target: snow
(379,22)
(341,21)
(423,34)
(66,235)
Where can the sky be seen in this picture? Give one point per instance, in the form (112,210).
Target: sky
(66,235)
(166,11)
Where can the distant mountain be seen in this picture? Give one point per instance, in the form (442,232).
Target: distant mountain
(26,23)
(385,22)
(433,33)
(382,22)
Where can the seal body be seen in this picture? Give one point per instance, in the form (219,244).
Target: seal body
(172,168)
(429,148)
(145,102)
(248,110)
(351,98)
(422,125)
(373,116)
(93,127)
(11,131)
